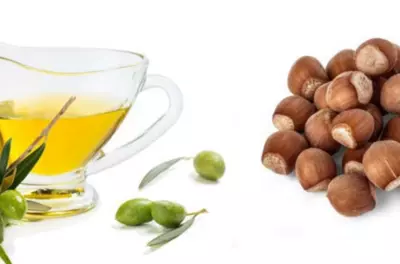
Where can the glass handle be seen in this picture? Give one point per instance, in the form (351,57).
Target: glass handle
(151,134)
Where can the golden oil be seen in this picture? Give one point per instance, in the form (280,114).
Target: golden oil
(75,138)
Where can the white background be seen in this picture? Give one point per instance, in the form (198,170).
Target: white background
(231,60)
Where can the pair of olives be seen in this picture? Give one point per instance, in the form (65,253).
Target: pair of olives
(209,165)
(139,211)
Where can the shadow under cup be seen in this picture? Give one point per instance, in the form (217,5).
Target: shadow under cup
(103,84)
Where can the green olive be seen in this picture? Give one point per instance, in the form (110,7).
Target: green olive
(134,212)
(168,214)
(209,165)
(13,204)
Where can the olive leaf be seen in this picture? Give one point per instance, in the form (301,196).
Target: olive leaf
(172,234)
(8,180)
(38,207)
(157,170)
(5,155)
(4,256)
(26,165)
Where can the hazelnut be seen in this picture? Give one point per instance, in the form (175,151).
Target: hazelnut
(319,96)
(381,164)
(349,90)
(305,76)
(318,131)
(343,61)
(390,94)
(378,83)
(352,160)
(353,128)
(351,195)
(292,113)
(315,168)
(396,68)
(378,120)
(281,150)
(376,56)
(392,129)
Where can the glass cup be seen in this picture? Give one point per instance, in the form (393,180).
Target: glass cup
(37,82)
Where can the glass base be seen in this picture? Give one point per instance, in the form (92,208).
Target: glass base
(62,200)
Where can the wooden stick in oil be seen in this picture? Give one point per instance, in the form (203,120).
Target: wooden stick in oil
(42,135)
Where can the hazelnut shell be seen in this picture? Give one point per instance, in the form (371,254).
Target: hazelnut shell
(342,61)
(390,95)
(318,131)
(315,168)
(281,150)
(376,56)
(378,83)
(392,129)
(351,195)
(292,113)
(352,159)
(381,164)
(305,76)
(349,90)
(396,68)
(353,128)
(378,120)
(319,96)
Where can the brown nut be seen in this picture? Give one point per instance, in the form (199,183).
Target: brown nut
(353,128)
(396,68)
(392,129)
(378,120)
(376,56)
(349,90)
(318,131)
(378,83)
(351,195)
(381,164)
(343,61)
(305,76)
(319,96)
(281,150)
(315,169)
(292,113)
(352,160)
(390,95)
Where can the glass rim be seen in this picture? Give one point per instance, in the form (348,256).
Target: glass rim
(142,63)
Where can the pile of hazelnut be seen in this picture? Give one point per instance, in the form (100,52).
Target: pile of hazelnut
(341,107)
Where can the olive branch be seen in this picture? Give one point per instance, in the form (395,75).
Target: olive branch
(11,176)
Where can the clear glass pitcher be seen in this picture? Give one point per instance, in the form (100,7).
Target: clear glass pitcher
(37,82)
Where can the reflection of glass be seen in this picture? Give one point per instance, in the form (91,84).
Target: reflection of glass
(38,81)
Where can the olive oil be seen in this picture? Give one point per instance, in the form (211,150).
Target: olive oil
(80,133)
